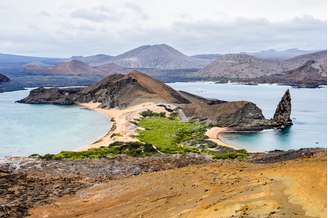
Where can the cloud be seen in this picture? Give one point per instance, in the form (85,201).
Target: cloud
(105,14)
(250,35)
(112,27)
(96,14)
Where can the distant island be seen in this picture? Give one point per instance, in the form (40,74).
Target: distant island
(297,68)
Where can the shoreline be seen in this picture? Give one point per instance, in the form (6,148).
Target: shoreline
(122,128)
(214,136)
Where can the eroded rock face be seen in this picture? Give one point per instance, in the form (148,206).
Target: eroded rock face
(283,111)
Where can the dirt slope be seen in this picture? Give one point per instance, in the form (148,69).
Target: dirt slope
(294,188)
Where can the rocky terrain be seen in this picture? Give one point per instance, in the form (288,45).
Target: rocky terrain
(35,187)
(310,75)
(28,182)
(122,91)
(309,70)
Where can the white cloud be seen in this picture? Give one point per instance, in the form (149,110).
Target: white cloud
(73,27)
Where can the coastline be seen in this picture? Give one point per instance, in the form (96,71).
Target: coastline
(124,130)
(214,136)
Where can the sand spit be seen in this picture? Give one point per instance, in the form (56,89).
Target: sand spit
(123,129)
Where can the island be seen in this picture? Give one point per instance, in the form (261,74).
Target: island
(163,156)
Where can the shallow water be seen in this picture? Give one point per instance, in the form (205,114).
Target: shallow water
(309,114)
(27,129)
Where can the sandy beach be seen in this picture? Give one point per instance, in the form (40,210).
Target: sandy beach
(214,135)
(122,128)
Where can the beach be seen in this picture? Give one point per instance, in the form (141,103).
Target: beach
(123,129)
(214,135)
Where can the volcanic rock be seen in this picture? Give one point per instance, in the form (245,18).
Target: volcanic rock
(283,111)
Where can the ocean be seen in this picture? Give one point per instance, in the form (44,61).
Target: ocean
(309,114)
(27,129)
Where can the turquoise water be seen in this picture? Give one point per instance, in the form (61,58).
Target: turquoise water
(27,129)
(309,114)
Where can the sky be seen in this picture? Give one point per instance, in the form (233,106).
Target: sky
(63,28)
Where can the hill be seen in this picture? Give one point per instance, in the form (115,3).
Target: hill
(244,67)
(94,60)
(309,75)
(76,68)
(240,66)
(135,88)
(280,55)
(159,56)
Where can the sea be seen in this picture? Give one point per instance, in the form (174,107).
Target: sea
(309,114)
(27,129)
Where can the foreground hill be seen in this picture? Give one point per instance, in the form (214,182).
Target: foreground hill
(288,184)
(295,188)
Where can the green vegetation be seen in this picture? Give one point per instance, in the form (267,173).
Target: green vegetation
(135,149)
(169,133)
(158,133)
(236,154)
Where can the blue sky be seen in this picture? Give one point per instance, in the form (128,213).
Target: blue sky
(84,27)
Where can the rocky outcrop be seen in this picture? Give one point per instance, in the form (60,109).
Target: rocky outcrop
(51,96)
(283,111)
(135,88)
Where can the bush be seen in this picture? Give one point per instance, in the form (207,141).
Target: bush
(135,149)
(149,113)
